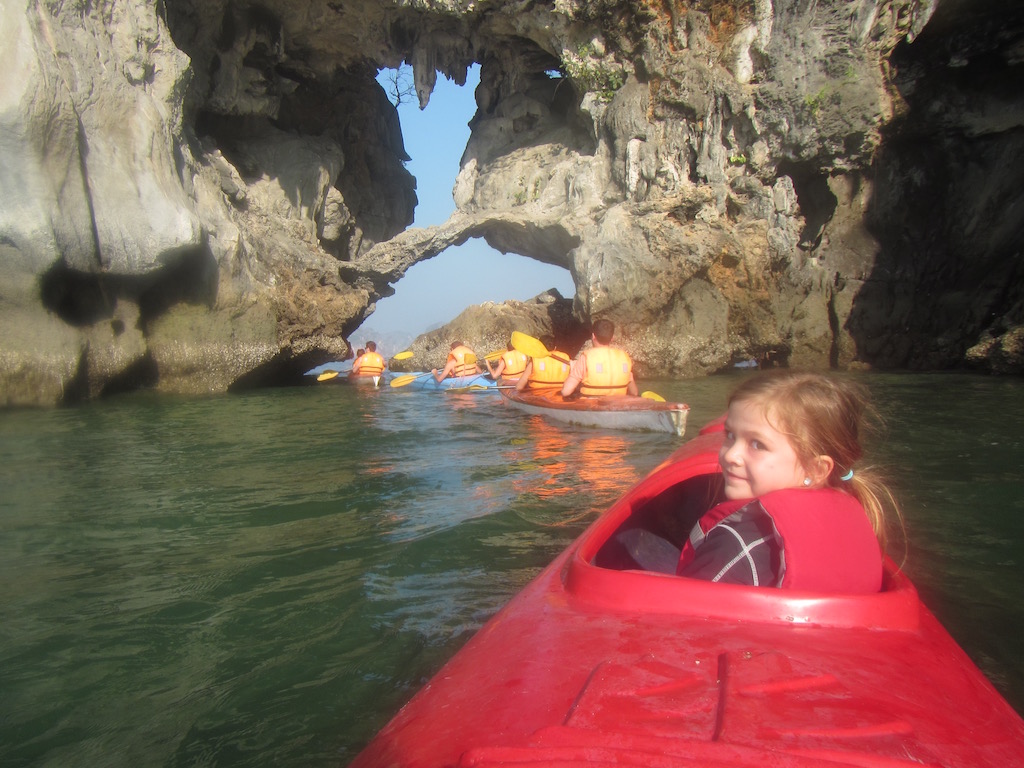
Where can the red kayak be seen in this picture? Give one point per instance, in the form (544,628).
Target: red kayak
(595,664)
(619,412)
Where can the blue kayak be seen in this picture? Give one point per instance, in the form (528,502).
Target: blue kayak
(424,381)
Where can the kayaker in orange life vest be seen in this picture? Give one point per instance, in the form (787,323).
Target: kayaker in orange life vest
(602,370)
(369,363)
(509,367)
(461,362)
(797,515)
(545,373)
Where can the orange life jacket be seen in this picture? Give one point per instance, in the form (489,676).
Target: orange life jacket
(515,364)
(828,544)
(608,371)
(370,364)
(548,372)
(462,368)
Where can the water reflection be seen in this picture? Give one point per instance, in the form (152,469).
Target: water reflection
(564,474)
(264,579)
(547,447)
(603,465)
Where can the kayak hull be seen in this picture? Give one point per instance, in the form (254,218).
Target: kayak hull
(623,412)
(426,382)
(364,380)
(597,664)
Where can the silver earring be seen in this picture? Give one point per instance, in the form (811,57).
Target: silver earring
(807,481)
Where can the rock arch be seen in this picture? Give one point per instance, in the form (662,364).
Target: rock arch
(248,145)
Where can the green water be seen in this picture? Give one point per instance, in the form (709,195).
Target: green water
(263,579)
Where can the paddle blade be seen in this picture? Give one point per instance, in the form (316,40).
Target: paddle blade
(401,381)
(528,345)
(403,355)
(653,396)
(470,358)
(326,375)
(494,355)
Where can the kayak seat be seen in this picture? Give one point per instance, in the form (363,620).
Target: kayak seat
(652,537)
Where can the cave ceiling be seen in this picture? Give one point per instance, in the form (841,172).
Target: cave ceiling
(303,68)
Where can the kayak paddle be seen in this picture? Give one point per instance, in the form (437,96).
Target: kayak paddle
(403,355)
(653,396)
(532,347)
(528,345)
(401,381)
(326,375)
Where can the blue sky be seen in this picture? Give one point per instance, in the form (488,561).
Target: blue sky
(435,291)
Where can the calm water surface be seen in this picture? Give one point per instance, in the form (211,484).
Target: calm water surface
(263,579)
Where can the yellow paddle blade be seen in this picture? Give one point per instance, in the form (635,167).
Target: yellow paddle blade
(403,355)
(528,345)
(653,396)
(494,355)
(326,375)
(401,381)
(470,358)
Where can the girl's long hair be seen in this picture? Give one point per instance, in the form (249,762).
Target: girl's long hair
(827,415)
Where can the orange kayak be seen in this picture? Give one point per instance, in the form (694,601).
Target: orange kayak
(594,664)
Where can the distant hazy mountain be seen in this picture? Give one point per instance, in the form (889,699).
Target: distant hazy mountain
(388,342)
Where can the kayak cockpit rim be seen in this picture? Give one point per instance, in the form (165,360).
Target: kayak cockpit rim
(679,488)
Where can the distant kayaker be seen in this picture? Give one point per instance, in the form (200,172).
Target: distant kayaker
(461,362)
(548,372)
(797,515)
(369,362)
(509,367)
(603,369)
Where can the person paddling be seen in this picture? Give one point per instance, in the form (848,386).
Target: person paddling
(509,367)
(461,362)
(369,363)
(545,373)
(602,370)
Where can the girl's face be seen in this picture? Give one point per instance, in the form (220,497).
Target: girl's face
(756,458)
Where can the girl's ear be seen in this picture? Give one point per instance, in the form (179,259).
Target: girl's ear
(819,469)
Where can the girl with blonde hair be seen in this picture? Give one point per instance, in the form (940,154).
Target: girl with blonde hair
(800,511)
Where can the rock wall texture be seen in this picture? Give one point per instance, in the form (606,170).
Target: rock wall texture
(200,195)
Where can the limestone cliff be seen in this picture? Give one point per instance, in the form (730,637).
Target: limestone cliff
(200,195)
